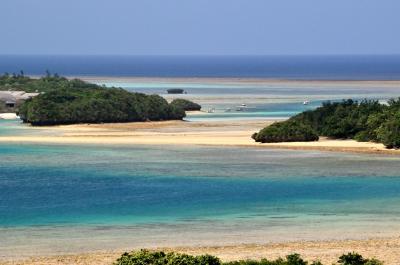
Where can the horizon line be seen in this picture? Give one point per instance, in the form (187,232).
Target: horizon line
(211,55)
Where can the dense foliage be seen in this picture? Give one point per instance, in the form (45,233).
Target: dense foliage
(145,257)
(353,258)
(344,120)
(20,82)
(185,104)
(290,131)
(96,105)
(367,120)
(64,101)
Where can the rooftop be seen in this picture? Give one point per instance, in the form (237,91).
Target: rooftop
(16,95)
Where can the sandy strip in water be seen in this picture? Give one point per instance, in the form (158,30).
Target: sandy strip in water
(222,133)
(245,81)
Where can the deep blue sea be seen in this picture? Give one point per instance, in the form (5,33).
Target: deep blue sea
(360,67)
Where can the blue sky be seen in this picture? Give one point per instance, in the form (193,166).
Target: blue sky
(200,27)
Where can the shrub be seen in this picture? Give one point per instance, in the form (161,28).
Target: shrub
(186,105)
(351,258)
(145,257)
(295,259)
(389,132)
(287,131)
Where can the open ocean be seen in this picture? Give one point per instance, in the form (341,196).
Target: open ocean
(368,67)
(68,199)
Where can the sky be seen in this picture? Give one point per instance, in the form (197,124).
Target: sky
(200,27)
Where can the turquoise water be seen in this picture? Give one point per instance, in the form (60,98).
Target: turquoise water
(17,128)
(63,199)
(10,127)
(68,199)
(271,100)
(256,111)
(48,185)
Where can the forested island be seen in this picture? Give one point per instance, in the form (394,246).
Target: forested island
(64,101)
(185,104)
(365,121)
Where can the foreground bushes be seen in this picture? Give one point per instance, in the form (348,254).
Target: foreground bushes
(145,257)
(363,121)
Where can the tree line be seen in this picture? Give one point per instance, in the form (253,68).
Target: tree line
(367,120)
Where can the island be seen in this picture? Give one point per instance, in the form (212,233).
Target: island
(185,104)
(58,100)
(365,121)
(175,91)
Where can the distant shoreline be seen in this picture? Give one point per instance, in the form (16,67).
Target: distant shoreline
(258,80)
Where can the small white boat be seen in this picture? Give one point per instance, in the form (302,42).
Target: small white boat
(306,102)
(8,116)
(243,107)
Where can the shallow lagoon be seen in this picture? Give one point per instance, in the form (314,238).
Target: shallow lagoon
(263,98)
(68,199)
(119,196)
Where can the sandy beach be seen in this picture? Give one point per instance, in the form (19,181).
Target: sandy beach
(213,133)
(385,249)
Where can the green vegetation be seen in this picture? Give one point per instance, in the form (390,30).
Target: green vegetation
(19,82)
(367,120)
(64,101)
(95,105)
(145,257)
(290,131)
(353,258)
(185,104)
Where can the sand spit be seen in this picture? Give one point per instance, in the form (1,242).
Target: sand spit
(221,133)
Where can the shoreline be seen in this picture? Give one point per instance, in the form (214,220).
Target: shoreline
(240,80)
(219,134)
(326,251)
